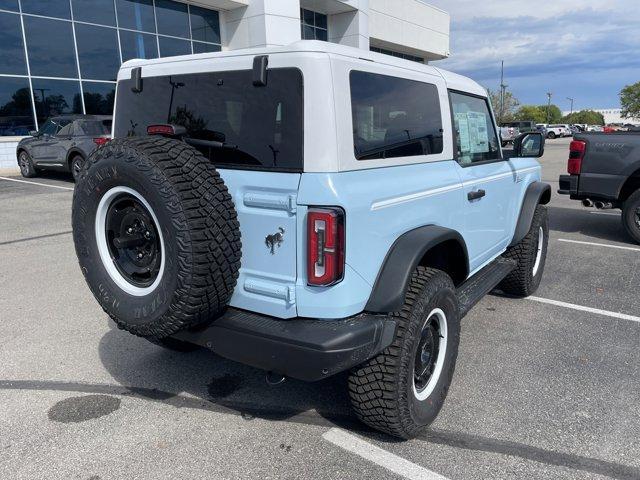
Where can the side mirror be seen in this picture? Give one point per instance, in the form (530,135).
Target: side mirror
(530,145)
(33,133)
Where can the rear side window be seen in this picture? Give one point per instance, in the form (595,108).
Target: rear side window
(476,138)
(94,127)
(227,118)
(394,117)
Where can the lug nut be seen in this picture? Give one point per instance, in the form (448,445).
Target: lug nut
(129,230)
(147,235)
(140,255)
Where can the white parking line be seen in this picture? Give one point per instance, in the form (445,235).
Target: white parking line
(633,249)
(606,313)
(35,183)
(377,455)
(615,214)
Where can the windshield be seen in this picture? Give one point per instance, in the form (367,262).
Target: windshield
(227,118)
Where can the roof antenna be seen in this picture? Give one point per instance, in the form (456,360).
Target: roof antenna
(260,70)
(136,76)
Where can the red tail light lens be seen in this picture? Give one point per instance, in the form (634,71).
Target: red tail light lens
(577,149)
(325,246)
(101,140)
(160,130)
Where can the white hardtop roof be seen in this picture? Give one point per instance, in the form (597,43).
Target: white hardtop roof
(453,80)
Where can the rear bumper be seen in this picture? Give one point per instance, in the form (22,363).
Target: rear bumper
(302,348)
(568,185)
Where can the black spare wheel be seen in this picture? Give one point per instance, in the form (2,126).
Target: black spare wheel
(156,234)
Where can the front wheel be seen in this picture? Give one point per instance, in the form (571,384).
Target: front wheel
(551,135)
(76,165)
(25,162)
(401,390)
(631,216)
(530,255)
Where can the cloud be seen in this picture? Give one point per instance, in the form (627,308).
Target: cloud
(552,45)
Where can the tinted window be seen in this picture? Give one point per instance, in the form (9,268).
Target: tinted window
(98,97)
(228,119)
(98,52)
(170,47)
(138,45)
(94,127)
(9,5)
(56,97)
(205,24)
(16,112)
(394,117)
(199,47)
(172,18)
(66,131)
(94,11)
(12,47)
(50,46)
(50,8)
(136,15)
(476,139)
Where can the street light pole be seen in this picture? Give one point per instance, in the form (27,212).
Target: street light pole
(571,100)
(503,90)
(549,94)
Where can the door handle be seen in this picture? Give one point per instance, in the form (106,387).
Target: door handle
(475,195)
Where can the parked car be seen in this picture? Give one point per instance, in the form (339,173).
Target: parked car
(604,172)
(508,135)
(62,143)
(523,126)
(411,168)
(554,131)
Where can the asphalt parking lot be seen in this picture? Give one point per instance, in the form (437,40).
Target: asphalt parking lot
(546,387)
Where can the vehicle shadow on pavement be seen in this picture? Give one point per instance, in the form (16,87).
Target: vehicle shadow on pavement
(603,227)
(53,175)
(212,383)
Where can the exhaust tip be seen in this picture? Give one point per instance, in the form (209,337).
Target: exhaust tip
(274,379)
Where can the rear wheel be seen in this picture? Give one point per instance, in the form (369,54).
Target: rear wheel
(401,390)
(551,135)
(25,163)
(156,234)
(530,255)
(631,216)
(76,165)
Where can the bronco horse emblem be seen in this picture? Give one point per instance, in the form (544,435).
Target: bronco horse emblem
(274,240)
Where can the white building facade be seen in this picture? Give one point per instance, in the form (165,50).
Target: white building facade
(93,38)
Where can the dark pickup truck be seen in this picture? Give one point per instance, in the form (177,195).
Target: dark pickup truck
(604,172)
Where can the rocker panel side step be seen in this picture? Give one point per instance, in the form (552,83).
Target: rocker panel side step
(476,287)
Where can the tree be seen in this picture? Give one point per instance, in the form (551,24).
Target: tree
(506,112)
(531,113)
(630,101)
(554,116)
(588,117)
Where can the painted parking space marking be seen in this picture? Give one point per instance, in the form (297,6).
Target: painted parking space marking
(614,214)
(582,308)
(594,244)
(379,456)
(36,183)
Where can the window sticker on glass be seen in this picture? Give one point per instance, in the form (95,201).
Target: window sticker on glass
(476,137)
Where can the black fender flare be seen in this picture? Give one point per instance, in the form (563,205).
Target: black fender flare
(403,258)
(537,193)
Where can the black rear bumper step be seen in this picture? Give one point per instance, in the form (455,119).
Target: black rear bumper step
(474,289)
(302,348)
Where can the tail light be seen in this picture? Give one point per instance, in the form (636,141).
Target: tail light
(577,150)
(325,246)
(166,129)
(101,140)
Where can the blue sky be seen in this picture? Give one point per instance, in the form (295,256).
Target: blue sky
(585,49)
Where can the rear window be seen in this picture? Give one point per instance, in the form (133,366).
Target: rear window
(394,117)
(94,127)
(227,118)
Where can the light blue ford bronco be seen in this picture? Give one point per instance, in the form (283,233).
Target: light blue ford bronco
(310,210)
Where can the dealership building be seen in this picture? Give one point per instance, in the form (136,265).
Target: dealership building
(62,56)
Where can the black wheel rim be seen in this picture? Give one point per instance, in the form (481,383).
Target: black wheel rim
(636,217)
(133,240)
(427,353)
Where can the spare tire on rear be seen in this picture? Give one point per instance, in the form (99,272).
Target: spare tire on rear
(156,235)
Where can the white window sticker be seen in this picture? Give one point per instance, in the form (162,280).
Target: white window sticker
(472,132)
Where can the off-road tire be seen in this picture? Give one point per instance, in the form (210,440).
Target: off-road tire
(198,225)
(382,389)
(630,210)
(522,282)
(25,162)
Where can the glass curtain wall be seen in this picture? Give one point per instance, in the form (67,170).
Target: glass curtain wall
(62,56)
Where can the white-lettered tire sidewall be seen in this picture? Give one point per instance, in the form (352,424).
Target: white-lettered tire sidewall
(93,184)
(424,412)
